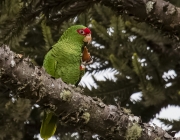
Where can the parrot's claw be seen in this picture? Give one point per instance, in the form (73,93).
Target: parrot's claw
(87,63)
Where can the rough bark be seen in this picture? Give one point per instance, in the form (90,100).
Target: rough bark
(159,13)
(112,122)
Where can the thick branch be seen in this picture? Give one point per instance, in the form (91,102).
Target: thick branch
(73,108)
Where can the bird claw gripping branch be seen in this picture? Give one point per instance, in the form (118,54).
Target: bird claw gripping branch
(86,58)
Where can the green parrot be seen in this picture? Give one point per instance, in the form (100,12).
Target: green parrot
(66,60)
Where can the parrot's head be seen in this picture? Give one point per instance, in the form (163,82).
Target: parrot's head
(86,33)
(78,33)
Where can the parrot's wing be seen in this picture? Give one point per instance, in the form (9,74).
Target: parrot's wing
(50,64)
(64,63)
(69,73)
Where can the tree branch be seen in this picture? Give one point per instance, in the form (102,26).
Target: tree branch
(29,81)
(159,13)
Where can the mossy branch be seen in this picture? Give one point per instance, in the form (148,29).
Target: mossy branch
(111,122)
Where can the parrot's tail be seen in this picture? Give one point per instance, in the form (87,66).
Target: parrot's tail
(49,125)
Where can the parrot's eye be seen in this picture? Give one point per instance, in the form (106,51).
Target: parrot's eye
(81,32)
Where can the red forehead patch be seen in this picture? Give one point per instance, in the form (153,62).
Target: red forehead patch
(84,31)
(87,31)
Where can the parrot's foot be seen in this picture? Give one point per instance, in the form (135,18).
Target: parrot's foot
(86,58)
(87,62)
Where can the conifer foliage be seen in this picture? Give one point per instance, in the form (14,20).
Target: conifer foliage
(138,54)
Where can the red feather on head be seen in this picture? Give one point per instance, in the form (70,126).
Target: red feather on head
(87,31)
(84,32)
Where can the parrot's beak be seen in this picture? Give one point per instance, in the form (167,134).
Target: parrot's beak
(87,38)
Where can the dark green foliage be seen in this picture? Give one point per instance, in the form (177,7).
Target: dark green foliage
(138,54)
(14,115)
(173,123)
(47,35)
(175,2)
(29,11)
(141,63)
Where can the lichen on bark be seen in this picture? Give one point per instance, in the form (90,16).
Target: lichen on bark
(133,132)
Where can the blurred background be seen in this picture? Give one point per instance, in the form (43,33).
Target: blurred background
(135,66)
